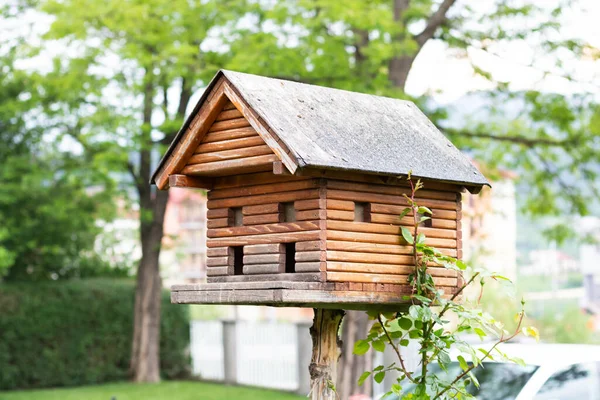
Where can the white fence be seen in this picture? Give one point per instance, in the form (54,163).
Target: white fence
(265,354)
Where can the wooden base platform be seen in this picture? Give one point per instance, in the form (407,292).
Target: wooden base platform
(286,294)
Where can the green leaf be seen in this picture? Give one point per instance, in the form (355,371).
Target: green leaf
(404,342)
(363,377)
(379,376)
(407,235)
(405,323)
(361,347)
(463,363)
(424,210)
(480,332)
(378,345)
(405,212)
(396,389)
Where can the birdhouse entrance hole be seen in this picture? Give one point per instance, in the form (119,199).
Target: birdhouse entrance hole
(238,260)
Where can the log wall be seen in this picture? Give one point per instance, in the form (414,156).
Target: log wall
(264,232)
(231,146)
(371,256)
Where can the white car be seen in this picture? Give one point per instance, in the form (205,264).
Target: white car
(553,372)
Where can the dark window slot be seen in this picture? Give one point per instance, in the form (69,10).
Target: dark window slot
(287,212)
(362,212)
(290,258)
(238,260)
(236,217)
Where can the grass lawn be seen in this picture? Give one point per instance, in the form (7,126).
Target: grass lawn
(172,390)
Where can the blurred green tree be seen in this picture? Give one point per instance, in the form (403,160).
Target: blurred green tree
(47,214)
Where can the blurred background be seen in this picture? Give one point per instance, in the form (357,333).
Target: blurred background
(92,93)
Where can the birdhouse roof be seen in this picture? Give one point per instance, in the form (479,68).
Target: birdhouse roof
(336,129)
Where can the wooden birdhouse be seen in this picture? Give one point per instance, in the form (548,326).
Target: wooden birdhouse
(305,188)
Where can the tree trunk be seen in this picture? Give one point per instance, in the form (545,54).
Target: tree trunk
(325,353)
(355,327)
(145,357)
(398,70)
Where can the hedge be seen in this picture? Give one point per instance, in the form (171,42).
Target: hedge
(79,332)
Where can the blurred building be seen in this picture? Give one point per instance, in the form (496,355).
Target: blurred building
(550,262)
(589,256)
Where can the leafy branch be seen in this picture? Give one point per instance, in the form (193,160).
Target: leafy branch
(424,320)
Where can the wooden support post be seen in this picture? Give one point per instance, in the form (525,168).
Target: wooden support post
(326,347)
(229,352)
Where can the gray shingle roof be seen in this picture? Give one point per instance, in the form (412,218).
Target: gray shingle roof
(336,129)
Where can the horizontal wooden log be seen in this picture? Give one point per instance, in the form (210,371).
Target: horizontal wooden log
(384,239)
(240,165)
(395,220)
(308,267)
(382,278)
(342,205)
(264,259)
(249,285)
(378,248)
(217,213)
(261,209)
(286,237)
(264,199)
(340,215)
(280,169)
(317,255)
(387,199)
(229,114)
(376,258)
(253,179)
(397,210)
(302,205)
(390,190)
(184,181)
(310,215)
(219,261)
(229,124)
(229,154)
(218,223)
(291,277)
(217,271)
(229,135)
(394,269)
(262,189)
(217,252)
(273,248)
(231,144)
(263,229)
(388,229)
(310,246)
(261,219)
(256,269)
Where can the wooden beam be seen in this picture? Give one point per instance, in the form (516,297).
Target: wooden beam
(280,169)
(190,140)
(185,181)
(326,351)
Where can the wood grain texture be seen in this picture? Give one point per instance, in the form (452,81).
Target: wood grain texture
(273,248)
(387,199)
(264,199)
(397,210)
(261,127)
(184,181)
(261,219)
(343,205)
(382,278)
(218,223)
(217,271)
(229,124)
(229,167)
(190,140)
(230,144)
(308,267)
(278,258)
(272,208)
(367,227)
(317,255)
(377,248)
(217,213)
(261,269)
(229,114)
(347,236)
(222,155)
(286,237)
(229,134)
(252,179)
(385,269)
(291,277)
(263,229)
(217,252)
(262,189)
(390,190)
